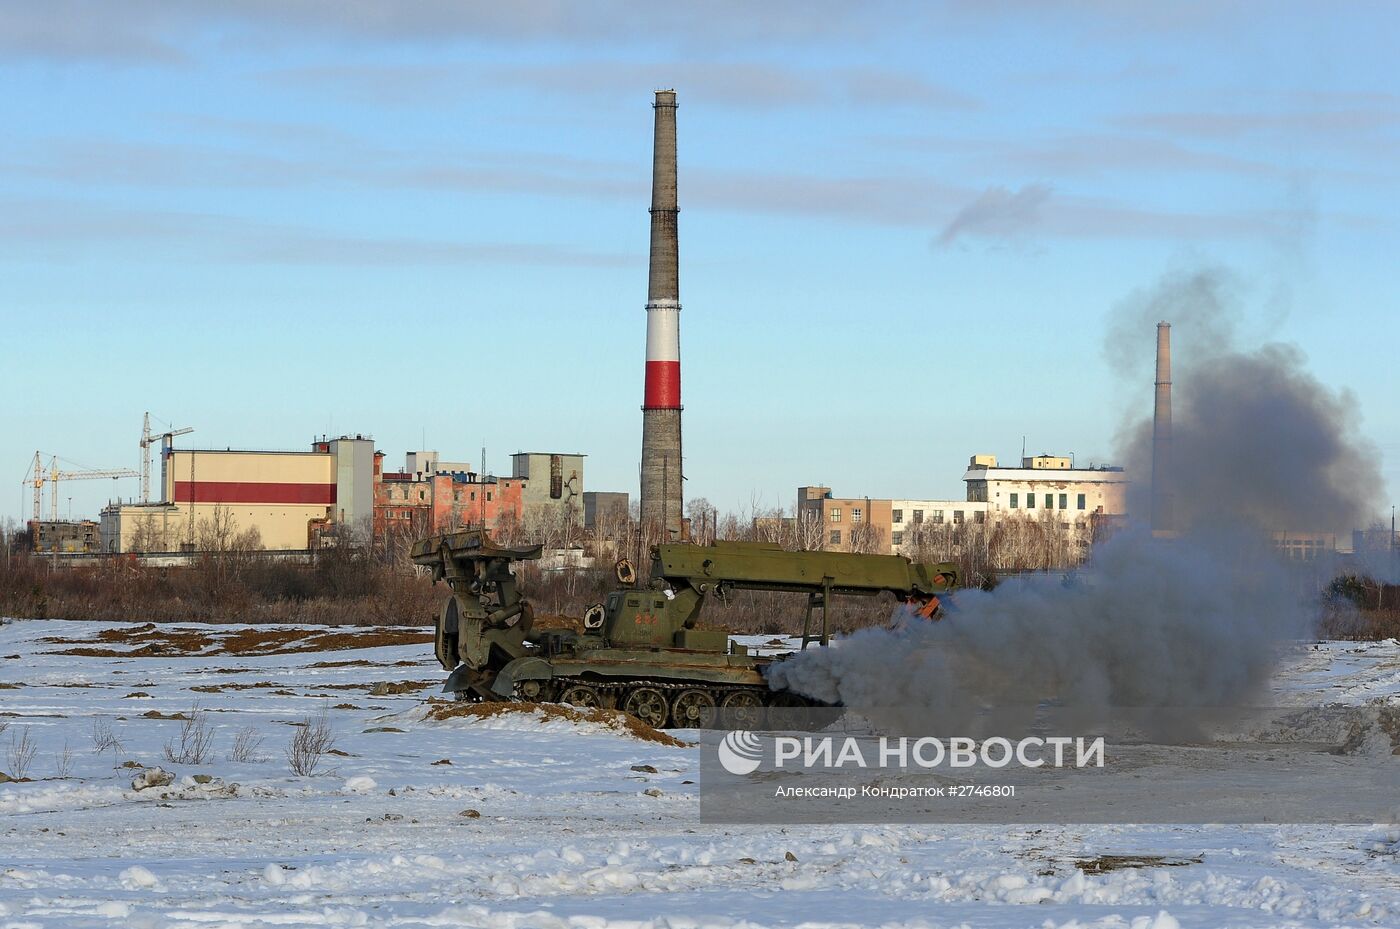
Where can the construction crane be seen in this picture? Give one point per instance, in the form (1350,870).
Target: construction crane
(148,439)
(39,478)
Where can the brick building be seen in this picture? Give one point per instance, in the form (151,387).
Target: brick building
(417,503)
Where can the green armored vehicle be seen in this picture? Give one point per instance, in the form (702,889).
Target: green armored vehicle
(641,651)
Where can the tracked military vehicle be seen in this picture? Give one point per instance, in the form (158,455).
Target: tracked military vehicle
(641,650)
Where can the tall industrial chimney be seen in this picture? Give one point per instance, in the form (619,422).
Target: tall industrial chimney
(1162,434)
(661,406)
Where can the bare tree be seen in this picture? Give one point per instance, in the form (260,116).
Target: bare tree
(310,743)
(194,741)
(703,517)
(246,745)
(21,753)
(103,739)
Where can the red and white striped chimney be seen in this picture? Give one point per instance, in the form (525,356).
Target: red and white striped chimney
(661,405)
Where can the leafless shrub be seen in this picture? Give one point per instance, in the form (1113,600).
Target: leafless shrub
(21,753)
(4,724)
(103,739)
(309,744)
(63,761)
(195,739)
(245,746)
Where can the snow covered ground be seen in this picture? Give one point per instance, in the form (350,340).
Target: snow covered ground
(518,820)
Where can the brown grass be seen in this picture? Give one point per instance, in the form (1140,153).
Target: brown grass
(152,641)
(1368,625)
(343,587)
(618,721)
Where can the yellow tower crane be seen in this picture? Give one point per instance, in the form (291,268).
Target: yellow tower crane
(148,438)
(38,476)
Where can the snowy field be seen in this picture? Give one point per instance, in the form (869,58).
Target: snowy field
(516,820)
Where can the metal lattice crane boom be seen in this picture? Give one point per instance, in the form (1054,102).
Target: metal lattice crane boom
(148,439)
(39,478)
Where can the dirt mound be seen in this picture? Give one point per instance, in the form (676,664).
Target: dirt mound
(616,720)
(151,641)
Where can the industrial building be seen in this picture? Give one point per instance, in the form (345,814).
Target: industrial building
(296,500)
(1047,484)
(289,497)
(1044,486)
(431,495)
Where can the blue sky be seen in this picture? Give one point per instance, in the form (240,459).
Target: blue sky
(903,227)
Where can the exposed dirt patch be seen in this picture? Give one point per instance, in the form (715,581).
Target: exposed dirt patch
(6,685)
(157,714)
(152,641)
(345,706)
(1105,863)
(208,689)
(616,720)
(391,688)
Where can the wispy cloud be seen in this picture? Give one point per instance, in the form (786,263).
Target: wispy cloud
(67,230)
(86,30)
(153,30)
(734,83)
(1084,154)
(1321,124)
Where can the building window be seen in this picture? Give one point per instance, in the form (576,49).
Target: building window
(1081,501)
(488,496)
(897,517)
(473,495)
(836,537)
(420,495)
(836,514)
(957,517)
(1030,501)
(979,516)
(1049,501)
(1015,501)
(855,514)
(918,516)
(897,538)
(1064,501)
(938,517)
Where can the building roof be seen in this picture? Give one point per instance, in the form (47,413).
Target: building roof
(1101,475)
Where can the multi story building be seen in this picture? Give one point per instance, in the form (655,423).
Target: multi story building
(1047,484)
(66,536)
(907,515)
(419,500)
(849,524)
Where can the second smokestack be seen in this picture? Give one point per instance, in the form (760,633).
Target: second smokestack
(661,405)
(1162,433)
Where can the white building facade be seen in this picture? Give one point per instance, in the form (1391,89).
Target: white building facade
(1046,487)
(905,515)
